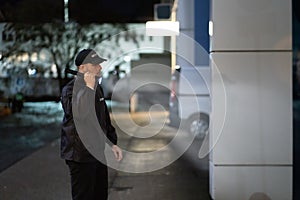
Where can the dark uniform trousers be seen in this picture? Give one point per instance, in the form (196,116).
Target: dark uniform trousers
(89,180)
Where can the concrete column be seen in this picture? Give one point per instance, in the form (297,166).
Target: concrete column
(251,48)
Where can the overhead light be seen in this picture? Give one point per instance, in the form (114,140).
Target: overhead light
(162,28)
(210,28)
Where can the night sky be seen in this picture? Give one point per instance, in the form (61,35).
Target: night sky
(81,11)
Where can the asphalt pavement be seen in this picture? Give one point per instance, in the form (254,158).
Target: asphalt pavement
(25,132)
(41,174)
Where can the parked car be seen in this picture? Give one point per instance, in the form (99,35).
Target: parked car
(190,103)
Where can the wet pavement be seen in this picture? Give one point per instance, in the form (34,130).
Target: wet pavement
(41,174)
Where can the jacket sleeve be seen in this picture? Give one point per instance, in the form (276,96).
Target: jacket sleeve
(111,131)
(68,126)
(66,101)
(83,102)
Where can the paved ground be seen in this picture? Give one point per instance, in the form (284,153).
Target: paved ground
(43,175)
(23,133)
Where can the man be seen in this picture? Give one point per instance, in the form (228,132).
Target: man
(86,128)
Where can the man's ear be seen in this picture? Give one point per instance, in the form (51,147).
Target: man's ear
(81,68)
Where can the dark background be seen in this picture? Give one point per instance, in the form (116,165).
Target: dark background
(81,11)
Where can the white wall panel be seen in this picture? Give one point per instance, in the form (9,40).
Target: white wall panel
(258,121)
(251,25)
(243,182)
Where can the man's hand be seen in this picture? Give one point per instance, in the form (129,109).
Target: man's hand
(117,152)
(89,79)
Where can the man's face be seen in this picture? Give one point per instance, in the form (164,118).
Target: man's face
(92,68)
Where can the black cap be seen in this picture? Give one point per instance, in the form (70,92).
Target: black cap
(88,56)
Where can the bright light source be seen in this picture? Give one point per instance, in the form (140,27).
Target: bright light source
(177,67)
(34,57)
(210,28)
(31,72)
(162,28)
(127,58)
(54,70)
(66,11)
(25,57)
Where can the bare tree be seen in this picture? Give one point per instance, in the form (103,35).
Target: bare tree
(61,40)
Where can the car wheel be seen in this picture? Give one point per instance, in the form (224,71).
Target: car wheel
(198,125)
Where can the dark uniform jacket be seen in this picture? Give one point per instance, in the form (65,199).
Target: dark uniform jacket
(72,147)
